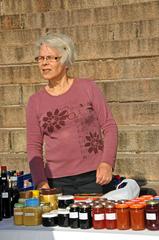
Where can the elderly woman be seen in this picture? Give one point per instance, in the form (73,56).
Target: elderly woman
(70,121)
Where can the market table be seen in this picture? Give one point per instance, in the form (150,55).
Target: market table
(8,231)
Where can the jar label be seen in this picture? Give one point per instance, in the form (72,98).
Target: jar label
(99,216)
(73,215)
(29,214)
(150,216)
(83,216)
(110,216)
(5,195)
(18,213)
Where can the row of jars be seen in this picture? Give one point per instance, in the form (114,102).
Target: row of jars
(137,214)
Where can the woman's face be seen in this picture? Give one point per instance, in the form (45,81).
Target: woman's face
(50,67)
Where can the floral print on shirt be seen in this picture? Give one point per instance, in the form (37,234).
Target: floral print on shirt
(54,120)
(94,142)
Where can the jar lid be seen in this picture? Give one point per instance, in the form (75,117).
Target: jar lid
(66,197)
(35,193)
(27,194)
(32,202)
(98,205)
(137,205)
(49,215)
(63,211)
(109,205)
(18,205)
(121,205)
(152,202)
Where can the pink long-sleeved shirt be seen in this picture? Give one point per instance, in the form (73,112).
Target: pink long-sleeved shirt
(76,130)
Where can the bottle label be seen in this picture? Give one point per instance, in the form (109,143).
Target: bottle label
(73,215)
(99,216)
(5,195)
(150,216)
(18,213)
(83,216)
(110,216)
(29,214)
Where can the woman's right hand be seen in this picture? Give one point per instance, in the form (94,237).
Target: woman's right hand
(43,185)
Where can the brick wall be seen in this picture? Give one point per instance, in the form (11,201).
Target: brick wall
(117,44)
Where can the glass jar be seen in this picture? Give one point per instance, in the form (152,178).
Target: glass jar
(152,215)
(18,214)
(98,221)
(85,218)
(65,200)
(110,216)
(63,218)
(137,216)
(49,219)
(123,216)
(32,212)
(49,196)
(74,215)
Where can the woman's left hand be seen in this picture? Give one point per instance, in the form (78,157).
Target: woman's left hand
(103,173)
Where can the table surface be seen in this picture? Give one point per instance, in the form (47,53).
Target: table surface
(8,231)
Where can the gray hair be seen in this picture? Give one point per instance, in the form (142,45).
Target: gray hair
(62,43)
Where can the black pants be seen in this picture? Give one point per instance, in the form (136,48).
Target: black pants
(82,183)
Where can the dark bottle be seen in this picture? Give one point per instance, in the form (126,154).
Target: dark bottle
(1,217)
(6,195)
(14,192)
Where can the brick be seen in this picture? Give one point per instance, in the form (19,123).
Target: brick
(117,68)
(10,95)
(136,113)
(125,13)
(28,90)
(117,49)
(19,37)
(12,117)
(20,74)
(132,90)
(15,161)
(138,139)
(10,22)
(4,141)
(23,6)
(18,141)
(138,166)
(78,4)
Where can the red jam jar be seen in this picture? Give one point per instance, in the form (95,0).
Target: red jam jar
(98,221)
(137,216)
(152,215)
(110,216)
(123,216)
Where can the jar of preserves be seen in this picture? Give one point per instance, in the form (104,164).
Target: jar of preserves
(110,216)
(32,212)
(137,216)
(85,218)
(98,221)
(50,219)
(65,200)
(123,216)
(63,217)
(49,196)
(35,193)
(18,214)
(152,215)
(74,215)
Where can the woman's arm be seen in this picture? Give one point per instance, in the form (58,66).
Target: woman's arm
(34,143)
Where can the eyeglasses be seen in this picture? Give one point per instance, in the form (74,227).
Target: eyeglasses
(48,58)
